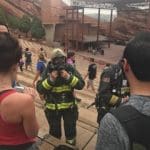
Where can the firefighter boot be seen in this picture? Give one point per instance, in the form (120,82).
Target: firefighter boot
(71,142)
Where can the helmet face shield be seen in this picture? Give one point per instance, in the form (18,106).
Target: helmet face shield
(59,60)
(57,53)
(58,64)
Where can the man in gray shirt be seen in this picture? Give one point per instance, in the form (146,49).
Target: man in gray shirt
(112,134)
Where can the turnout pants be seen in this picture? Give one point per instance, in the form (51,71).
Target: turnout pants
(69,116)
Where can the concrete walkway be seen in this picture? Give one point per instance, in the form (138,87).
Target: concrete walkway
(111,55)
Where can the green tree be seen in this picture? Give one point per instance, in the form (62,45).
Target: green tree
(13,21)
(25,24)
(3,18)
(37,30)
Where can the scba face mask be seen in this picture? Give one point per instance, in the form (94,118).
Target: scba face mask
(59,60)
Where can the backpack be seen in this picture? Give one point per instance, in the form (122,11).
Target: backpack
(136,126)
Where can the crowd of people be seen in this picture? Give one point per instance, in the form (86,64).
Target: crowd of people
(122,99)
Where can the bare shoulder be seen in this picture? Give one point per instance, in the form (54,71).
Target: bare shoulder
(24,98)
(15,106)
(19,100)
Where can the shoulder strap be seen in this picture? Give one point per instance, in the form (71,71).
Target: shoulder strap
(135,123)
(5,93)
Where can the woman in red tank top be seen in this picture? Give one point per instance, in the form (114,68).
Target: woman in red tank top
(18,124)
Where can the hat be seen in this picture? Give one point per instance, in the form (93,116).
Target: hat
(57,53)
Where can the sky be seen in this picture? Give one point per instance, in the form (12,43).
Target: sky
(67,1)
(90,10)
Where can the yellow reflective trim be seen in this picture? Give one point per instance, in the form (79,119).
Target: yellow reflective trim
(74,81)
(50,106)
(113,100)
(63,88)
(46,85)
(125,90)
(59,106)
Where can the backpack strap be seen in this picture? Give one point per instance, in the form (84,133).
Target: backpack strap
(135,124)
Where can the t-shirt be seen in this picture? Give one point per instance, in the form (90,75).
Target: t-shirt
(40,66)
(28,55)
(70,61)
(92,69)
(21,62)
(111,134)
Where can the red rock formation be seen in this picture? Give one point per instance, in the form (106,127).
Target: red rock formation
(11,9)
(128,23)
(19,8)
(52,10)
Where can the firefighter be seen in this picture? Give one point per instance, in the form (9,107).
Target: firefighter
(113,89)
(58,88)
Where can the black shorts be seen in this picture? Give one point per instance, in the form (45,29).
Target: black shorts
(27,146)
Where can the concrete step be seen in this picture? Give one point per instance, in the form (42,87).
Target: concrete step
(27,74)
(49,142)
(85,94)
(25,81)
(45,146)
(31,74)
